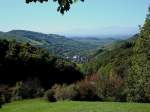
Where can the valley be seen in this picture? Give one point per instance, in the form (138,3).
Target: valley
(83,56)
(76,49)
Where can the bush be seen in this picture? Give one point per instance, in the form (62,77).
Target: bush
(49,96)
(87,89)
(111,88)
(84,90)
(72,92)
(5,94)
(92,88)
(28,89)
(101,87)
(65,92)
(62,92)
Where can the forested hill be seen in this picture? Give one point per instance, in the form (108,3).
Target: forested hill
(75,49)
(22,61)
(113,55)
(124,69)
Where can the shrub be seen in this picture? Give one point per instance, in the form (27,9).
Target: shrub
(19,91)
(65,92)
(111,88)
(87,89)
(72,92)
(62,92)
(5,94)
(101,87)
(92,88)
(28,89)
(49,96)
(84,90)
(57,88)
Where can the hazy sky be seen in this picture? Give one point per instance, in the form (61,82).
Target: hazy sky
(91,18)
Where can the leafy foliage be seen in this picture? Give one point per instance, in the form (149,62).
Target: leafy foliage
(105,59)
(64,5)
(64,92)
(49,96)
(81,91)
(19,61)
(5,94)
(139,77)
(111,69)
(30,88)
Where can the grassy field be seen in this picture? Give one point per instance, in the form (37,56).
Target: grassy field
(38,105)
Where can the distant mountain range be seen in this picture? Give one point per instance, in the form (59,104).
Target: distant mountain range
(70,48)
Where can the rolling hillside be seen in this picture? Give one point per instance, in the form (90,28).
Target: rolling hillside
(75,49)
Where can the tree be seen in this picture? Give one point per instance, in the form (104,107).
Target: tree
(139,77)
(64,5)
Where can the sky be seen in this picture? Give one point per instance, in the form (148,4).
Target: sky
(91,18)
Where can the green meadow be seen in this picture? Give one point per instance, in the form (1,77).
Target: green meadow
(38,105)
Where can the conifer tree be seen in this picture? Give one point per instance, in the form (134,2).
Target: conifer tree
(139,77)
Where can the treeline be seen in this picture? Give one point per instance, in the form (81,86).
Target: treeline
(21,64)
(20,61)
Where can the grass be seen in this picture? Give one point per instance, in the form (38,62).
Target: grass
(38,105)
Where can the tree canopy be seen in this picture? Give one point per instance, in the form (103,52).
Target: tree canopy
(64,5)
(19,61)
(139,77)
